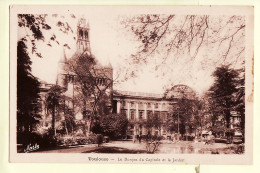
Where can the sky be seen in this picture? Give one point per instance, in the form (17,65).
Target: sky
(110,42)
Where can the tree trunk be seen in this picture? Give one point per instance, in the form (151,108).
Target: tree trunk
(228,118)
(53,121)
(89,126)
(66,128)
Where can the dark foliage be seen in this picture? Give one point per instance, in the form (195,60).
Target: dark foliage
(35,23)
(44,141)
(223,93)
(28,98)
(53,102)
(154,121)
(112,125)
(92,82)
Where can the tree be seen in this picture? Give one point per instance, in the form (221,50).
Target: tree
(53,102)
(240,97)
(35,25)
(223,92)
(153,121)
(69,119)
(93,84)
(204,117)
(185,110)
(184,114)
(28,86)
(114,125)
(28,98)
(168,38)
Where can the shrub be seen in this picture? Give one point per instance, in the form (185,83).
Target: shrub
(69,141)
(153,143)
(81,140)
(47,141)
(92,139)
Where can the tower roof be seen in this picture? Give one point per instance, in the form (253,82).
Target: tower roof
(83,23)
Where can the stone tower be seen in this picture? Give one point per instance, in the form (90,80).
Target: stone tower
(104,73)
(83,44)
(61,76)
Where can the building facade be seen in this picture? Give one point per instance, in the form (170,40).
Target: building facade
(140,108)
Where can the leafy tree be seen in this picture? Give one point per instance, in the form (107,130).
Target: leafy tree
(223,92)
(185,112)
(53,102)
(204,118)
(28,98)
(114,125)
(184,109)
(69,123)
(240,97)
(93,83)
(153,121)
(35,26)
(69,119)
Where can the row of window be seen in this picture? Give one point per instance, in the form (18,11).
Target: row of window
(149,105)
(99,81)
(150,114)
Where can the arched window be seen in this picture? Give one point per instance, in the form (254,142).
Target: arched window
(86,34)
(80,33)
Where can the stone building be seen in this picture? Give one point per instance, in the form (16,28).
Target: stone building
(140,108)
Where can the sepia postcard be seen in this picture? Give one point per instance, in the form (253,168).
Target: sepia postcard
(131,84)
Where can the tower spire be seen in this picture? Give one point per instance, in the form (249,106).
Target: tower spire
(83,44)
(61,73)
(63,57)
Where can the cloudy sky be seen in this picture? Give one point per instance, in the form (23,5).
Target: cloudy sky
(110,42)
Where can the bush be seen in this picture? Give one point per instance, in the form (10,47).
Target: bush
(92,139)
(71,140)
(81,140)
